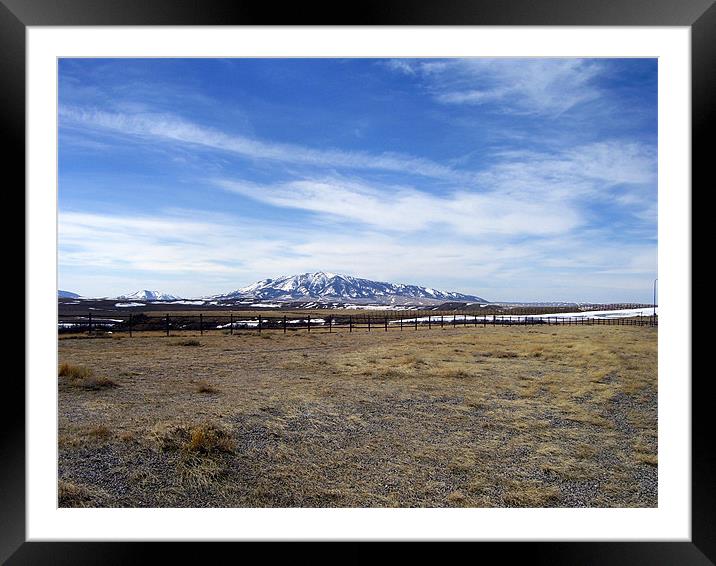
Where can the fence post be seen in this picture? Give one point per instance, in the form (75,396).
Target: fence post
(330,324)
(166,324)
(309,322)
(130,324)
(430,322)
(416,321)
(201,324)
(386,324)
(231,323)
(401,322)
(368,323)
(350,323)
(284,324)
(259,324)
(89,327)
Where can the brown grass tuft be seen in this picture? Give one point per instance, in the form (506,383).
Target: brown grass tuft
(74,495)
(532,495)
(207,438)
(191,342)
(73,371)
(650,459)
(204,438)
(100,432)
(206,387)
(456,498)
(84,378)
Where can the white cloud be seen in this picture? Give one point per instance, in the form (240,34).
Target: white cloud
(192,253)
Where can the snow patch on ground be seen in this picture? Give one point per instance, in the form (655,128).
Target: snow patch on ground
(377,307)
(462,318)
(240,324)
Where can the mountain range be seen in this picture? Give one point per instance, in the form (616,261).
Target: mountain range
(318,286)
(331,286)
(146,295)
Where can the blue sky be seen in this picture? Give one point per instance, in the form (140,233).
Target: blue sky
(513,179)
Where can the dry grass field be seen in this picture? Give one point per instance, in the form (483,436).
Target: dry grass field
(527,416)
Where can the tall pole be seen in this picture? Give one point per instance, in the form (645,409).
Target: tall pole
(655,280)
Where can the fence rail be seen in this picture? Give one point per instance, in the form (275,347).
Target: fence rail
(231,323)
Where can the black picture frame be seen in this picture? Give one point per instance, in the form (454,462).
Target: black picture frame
(16,15)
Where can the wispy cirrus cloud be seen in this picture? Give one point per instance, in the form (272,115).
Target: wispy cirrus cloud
(170,128)
(404,209)
(600,169)
(521,194)
(525,86)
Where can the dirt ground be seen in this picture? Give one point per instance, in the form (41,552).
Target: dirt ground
(529,416)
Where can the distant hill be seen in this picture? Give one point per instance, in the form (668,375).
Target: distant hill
(67,295)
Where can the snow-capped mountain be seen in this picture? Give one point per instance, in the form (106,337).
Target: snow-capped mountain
(146,295)
(67,295)
(325,285)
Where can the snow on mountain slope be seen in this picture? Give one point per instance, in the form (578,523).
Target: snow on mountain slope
(326,285)
(146,295)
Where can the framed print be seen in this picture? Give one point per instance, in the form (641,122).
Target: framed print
(300,278)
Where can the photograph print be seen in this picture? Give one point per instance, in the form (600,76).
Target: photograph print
(357,282)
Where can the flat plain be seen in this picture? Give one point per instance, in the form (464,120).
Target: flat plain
(511,416)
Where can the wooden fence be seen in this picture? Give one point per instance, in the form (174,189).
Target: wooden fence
(231,323)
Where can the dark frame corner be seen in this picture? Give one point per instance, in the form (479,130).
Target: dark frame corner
(700,15)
